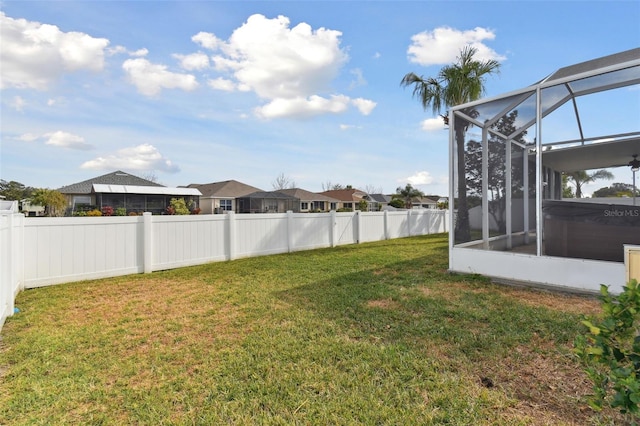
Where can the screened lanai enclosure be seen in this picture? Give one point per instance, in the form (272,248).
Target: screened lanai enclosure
(508,157)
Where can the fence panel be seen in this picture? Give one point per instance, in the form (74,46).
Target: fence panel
(65,249)
(11,262)
(189,240)
(372,227)
(260,234)
(398,224)
(346,229)
(310,231)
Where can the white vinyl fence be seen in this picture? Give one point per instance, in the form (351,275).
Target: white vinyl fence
(36,252)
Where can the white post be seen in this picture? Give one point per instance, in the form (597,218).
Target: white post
(332,229)
(231,230)
(11,263)
(386,224)
(409,222)
(290,241)
(357,219)
(147,242)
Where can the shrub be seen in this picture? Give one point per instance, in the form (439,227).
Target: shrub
(610,351)
(178,206)
(94,212)
(121,211)
(107,211)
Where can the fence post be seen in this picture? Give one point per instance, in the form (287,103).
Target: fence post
(357,223)
(409,222)
(386,224)
(231,231)
(11,264)
(332,229)
(289,231)
(147,242)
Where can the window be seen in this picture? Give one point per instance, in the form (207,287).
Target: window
(226,205)
(318,205)
(348,205)
(334,206)
(304,205)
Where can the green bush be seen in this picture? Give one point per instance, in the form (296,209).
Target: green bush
(610,351)
(120,211)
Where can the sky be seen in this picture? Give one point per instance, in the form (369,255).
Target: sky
(204,91)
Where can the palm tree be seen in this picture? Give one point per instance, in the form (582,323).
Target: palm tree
(407,195)
(581,177)
(455,84)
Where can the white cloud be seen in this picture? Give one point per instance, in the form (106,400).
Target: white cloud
(222,84)
(419,178)
(359,79)
(66,140)
(141,157)
(365,106)
(207,40)
(303,107)
(28,137)
(442,45)
(377,55)
(431,124)
(194,61)
(18,103)
(290,68)
(349,127)
(33,55)
(151,78)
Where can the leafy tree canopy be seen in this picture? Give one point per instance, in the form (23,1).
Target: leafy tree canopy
(615,190)
(13,190)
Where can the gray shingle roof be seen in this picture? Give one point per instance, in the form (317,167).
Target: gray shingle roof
(304,195)
(225,189)
(115,178)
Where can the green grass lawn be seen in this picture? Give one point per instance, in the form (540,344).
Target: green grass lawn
(373,334)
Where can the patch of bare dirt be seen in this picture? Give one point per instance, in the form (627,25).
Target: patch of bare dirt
(383,304)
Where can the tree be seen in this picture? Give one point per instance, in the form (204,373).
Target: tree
(567,191)
(283,182)
(407,195)
(53,201)
(581,177)
(328,186)
(372,189)
(455,84)
(615,190)
(13,190)
(497,182)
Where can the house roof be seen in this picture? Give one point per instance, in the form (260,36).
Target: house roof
(380,198)
(149,190)
(270,195)
(115,178)
(348,195)
(304,195)
(224,189)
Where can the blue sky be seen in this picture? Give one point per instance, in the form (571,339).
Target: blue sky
(205,91)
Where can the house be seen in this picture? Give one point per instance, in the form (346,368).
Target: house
(312,201)
(126,191)
(505,174)
(424,203)
(220,197)
(348,199)
(379,202)
(267,202)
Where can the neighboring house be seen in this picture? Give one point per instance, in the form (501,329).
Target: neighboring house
(424,203)
(347,198)
(220,197)
(379,202)
(312,201)
(523,231)
(124,190)
(31,209)
(267,202)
